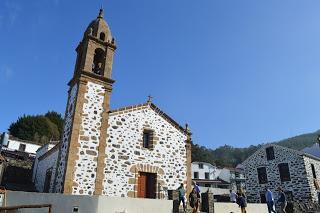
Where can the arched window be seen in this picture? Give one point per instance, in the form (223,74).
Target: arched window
(98,61)
(102,36)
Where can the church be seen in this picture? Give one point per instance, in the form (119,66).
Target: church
(135,151)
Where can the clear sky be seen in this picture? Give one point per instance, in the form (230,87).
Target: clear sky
(239,72)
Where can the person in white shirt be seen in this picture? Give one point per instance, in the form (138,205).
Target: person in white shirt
(233,197)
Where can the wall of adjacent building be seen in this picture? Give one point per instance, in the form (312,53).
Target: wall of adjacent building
(298,185)
(212,170)
(42,150)
(44,164)
(308,161)
(30,148)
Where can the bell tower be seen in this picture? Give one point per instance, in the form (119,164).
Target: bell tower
(81,160)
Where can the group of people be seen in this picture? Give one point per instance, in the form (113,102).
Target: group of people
(194,197)
(282,201)
(240,199)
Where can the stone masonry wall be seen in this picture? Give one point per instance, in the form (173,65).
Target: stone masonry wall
(85,169)
(308,161)
(65,139)
(126,156)
(299,185)
(42,150)
(49,162)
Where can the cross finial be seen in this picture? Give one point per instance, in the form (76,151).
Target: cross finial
(100,12)
(149,99)
(187,129)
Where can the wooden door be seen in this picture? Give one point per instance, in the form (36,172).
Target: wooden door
(142,181)
(147,185)
(151,185)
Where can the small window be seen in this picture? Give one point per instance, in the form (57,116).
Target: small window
(102,36)
(270,153)
(200,165)
(284,172)
(147,139)
(22,147)
(262,175)
(313,171)
(207,185)
(206,175)
(196,175)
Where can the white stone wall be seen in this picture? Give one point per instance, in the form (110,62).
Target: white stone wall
(85,167)
(298,185)
(30,148)
(66,137)
(49,162)
(308,161)
(39,153)
(207,167)
(125,149)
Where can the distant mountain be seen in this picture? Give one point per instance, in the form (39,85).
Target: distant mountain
(228,156)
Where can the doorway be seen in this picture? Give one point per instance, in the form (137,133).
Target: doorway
(147,183)
(47,181)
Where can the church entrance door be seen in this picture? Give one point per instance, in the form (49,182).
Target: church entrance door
(147,183)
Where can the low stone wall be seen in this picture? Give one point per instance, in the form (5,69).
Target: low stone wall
(234,208)
(87,204)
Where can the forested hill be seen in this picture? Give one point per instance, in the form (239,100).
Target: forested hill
(231,156)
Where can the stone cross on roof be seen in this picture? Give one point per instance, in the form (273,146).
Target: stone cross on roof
(149,99)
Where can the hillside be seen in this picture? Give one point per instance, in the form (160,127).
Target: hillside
(231,156)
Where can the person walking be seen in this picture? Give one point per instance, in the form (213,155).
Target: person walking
(182,193)
(242,201)
(233,197)
(282,200)
(194,200)
(270,200)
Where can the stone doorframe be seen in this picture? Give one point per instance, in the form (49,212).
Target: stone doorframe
(135,169)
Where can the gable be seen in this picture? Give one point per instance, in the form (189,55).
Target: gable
(156,110)
(280,153)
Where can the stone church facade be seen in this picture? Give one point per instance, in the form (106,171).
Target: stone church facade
(136,151)
(275,166)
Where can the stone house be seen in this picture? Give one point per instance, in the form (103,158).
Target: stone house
(209,177)
(10,143)
(272,166)
(135,151)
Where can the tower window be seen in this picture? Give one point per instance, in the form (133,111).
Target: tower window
(200,166)
(102,36)
(97,66)
(147,139)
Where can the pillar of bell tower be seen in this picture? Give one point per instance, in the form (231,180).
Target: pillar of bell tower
(81,159)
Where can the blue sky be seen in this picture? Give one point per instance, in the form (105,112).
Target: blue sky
(239,72)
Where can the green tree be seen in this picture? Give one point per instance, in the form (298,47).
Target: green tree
(57,119)
(35,128)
